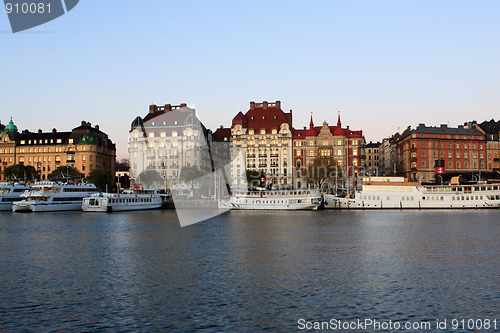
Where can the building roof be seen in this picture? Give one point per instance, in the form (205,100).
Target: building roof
(490,127)
(222,134)
(265,115)
(85,132)
(373,145)
(334,130)
(443,129)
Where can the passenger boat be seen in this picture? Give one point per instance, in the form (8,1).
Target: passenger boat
(137,199)
(306,199)
(47,196)
(10,193)
(397,193)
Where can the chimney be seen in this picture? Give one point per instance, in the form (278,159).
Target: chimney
(168,107)
(278,105)
(39,131)
(97,127)
(54,130)
(444,126)
(83,123)
(264,105)
(152,108)
(89,124)
(252,105)
(183,105)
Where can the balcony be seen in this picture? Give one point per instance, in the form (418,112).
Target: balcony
(174,167)
(275,155)
(412,149)
(174,156)
(496,159)
(251,155)
(151,157)
(262,165)
(251,166)
(262,155)
(274,165)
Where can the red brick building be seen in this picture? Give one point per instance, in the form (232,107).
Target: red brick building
(343,146)
(461,151)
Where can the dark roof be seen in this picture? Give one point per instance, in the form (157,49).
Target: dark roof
(443,129)
(373,145)
(77,134)
(490,127)
(222,134)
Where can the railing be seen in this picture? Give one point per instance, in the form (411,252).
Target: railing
(262,165)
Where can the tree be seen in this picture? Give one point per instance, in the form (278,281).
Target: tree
(322,170)
(149,178)
(64,172)
(122,164)
(101,178)
(190,173)
(21,171)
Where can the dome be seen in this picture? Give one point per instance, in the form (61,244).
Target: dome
(10,127)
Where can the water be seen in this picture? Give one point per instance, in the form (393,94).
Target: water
(245,271)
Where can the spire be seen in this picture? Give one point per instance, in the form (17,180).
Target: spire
(311,124)
(339,123)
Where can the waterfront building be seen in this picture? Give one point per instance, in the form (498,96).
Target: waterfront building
(343,147)
(168,139)
(261,140)
(458,151)
(86,148)
(372,162)
(491,130)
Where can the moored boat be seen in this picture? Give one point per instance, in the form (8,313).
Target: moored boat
(10,193)
(47,196)
(398,193)
(306,199)
(136,199)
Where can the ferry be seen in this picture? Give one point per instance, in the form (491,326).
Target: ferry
(137,199)
(47,196)
(306,199)
(398,193)
(10,193)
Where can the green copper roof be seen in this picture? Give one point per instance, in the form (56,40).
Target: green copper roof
(88,139)
(10,127)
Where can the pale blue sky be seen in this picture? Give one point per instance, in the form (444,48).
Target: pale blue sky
(384,64)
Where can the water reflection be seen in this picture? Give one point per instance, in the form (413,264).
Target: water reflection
(244,270)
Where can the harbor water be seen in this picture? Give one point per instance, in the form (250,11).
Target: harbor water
(246,271)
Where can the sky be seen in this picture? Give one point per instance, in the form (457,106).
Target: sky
(384,65)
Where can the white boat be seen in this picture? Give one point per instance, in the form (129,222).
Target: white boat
(10,193)
(306,199)
(137,199)
(50,196)
(397,193)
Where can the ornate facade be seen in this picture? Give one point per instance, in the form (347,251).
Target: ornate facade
(86,148)
(261,139)
(342,146)
(167,139)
